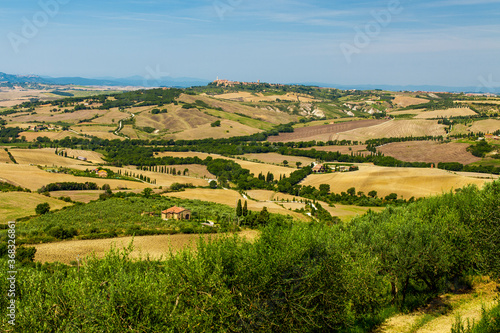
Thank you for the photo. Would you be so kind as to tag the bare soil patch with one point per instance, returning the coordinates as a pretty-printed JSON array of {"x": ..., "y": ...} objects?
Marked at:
[
  {"x": 429, "y": 152},
  {"x": 324, "y": 132}
]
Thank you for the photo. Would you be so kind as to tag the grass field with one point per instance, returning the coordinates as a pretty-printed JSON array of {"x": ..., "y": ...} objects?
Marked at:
[
  {"x": 454, "y": 112},
  {"x": 154, "y": 246},
  {"x": 406, "y": 182},
  {"x": 14, "y": 205},
  {"x": 429, "y": 151},
  {"x": 394, "y": 128}
]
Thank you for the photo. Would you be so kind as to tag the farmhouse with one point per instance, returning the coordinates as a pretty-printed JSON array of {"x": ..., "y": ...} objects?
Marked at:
[
  {"x": 176, "y": 213},
  {"x": 81, "y": 158},
  {"x": 318, "y": 168},
  {"x": 102, "y": 173}
]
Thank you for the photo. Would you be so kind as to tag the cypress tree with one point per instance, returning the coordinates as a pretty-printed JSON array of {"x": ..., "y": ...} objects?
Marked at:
[{"x": 239, "y": 209}]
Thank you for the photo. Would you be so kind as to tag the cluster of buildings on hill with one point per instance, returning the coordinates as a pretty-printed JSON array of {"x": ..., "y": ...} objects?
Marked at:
[{"x": 228, "y": 83}]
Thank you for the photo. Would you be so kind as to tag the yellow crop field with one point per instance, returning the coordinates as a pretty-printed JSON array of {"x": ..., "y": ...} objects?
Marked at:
[
  {"x": 14, "y": 205},
  {"x": 404, "y": 101},
  {"x": 113, "y": 116},
  {"x": 44, "y": 156},
  {"x": 91, "y": 156},
  {"x": 394, "y": 128},
  {"x": 53, "y": 135},
  {"x": 103, "y": 132},
  {"x": 154, "y": 246},
  {"x": 453, "y": 112},
  {"x": 4, "y": 157},
  {"x": 406, "y": 182},
  {"x": 33, "y": 178},
  {"x": 163, "y": 179},
  {"x": 485, "y": 126}
]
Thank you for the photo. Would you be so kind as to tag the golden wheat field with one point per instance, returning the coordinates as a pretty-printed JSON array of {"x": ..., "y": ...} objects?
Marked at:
[
  {"x": 163, "y": 179},
  {"x": 33, "y": 178},
  {"x": 394, "y": 128},
  {"x": 103, "y": 132},
  {"x": 154, "y": 246},
  {"x": 453, "y": 112},
  {"x": 91, "y": 156},
  {"x": 259, "y": 97},
  {"x": 14, "y": 205},
  {"x": 485, "y": 126},
  {"x": 406, "y": 182},
  {"x": 45, "y": 156},
  {"x": 404, "y": 101},
  {"x": 53, "y": 135}
]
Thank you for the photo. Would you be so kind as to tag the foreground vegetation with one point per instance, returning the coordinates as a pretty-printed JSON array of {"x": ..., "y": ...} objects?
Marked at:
[{"x": 294, "y": 278}]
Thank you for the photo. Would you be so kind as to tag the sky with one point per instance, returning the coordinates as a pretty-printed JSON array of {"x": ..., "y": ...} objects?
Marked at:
[{"x": 398, "y": 42}]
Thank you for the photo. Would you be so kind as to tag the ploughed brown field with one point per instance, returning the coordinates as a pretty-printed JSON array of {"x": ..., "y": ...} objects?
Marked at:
[
  {"x": 323, "y": 132},
  {"x": 429, "y": 152}
]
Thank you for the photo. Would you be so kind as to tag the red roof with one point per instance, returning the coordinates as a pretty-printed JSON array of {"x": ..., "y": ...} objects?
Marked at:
[{"x": 174, "y": 210}]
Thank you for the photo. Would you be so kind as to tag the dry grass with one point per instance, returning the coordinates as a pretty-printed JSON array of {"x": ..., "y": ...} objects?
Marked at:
[
  {"x": 454, "y": 112},
  {"x": 91, "y": 156},
  {"x": 227, "y": 129},
  {"x": 103, "y": 132},
  {"x": 112, "y": 114},
  {"x": 404, "y": 101},
  {"x": 154, "y": 246},
  {"x": 468, "y": 305},
  {"x": 43, "y": 115},
  {"x": 45, "y": 156},
  {"x": 406, "y": 182},
  {"x": 274, "y": 158},
  {"x": 485, "y": 126},
  {"x": 14, "y": 205},
  {"x": 4, "y": 157},
  {"x": 429, "y": 151},
  {"x": 394, "y": 128},
  {"x": 163, "y": 179}
]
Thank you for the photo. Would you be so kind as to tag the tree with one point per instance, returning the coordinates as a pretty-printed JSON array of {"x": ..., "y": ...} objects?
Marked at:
[
  {"x": 147, "y": 192},
  {"x": 245, "y": 209},
  {"x": 324, "y": 189},
  {"x": 285, "y": 162},
  {"x": 351, "y": 191},
  {"x": 239, "y": 209},
  {"x": 298, "y": 164},
  {"x": 213, "y": 184},
  {"x": 42, "y": 208},
  {"x": 392, "y": 196},
  {"x": 372, "y": 194},
  {"x": 263, "y": 217}
]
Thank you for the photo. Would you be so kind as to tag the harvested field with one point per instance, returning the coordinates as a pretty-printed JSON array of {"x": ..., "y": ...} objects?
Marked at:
[
  {"x": 154, "y": 246},
  {"x": 264, "y": 195},
  {"x": 404, "y": 101},
  {"x": 4, "y": 157},
  {"x": 75, "y": 117},
  {"x": 429, "y": 151},
  {"x": 254, "y": 167},
  {"x": 410, "y": 112},
  {"x": 274, "y": 158},
  {"x": 33, "y": 178},
  {"x": 91, "y": 156},
  {"x": 230, "y": 198},
  {"x": 112, "y": 114},
  {"x": 227, "y": 129},
  {"x": 485, "y": 126},
  {"x": 244, "y": 96},
  {"x": 103, "y": 132},
  {"x": 14, "y": 205},
  {"x": 163, "y": 179},
  {"x": 454, "y": 112},
  {"x": 342, "y": 149},
  {"x": 347, "y": 213},
  {"x": 493, "y": 101},
  {"x": 394, "y": 129},
  {"x": 406, "y": 182},
  {"x": 324, "y": 132},
  {"x": 53, "y": 135},
  {"x": 44, "y": 156}
]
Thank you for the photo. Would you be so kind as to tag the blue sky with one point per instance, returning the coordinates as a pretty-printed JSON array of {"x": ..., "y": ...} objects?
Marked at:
[{"x": 443, "y": 42}]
